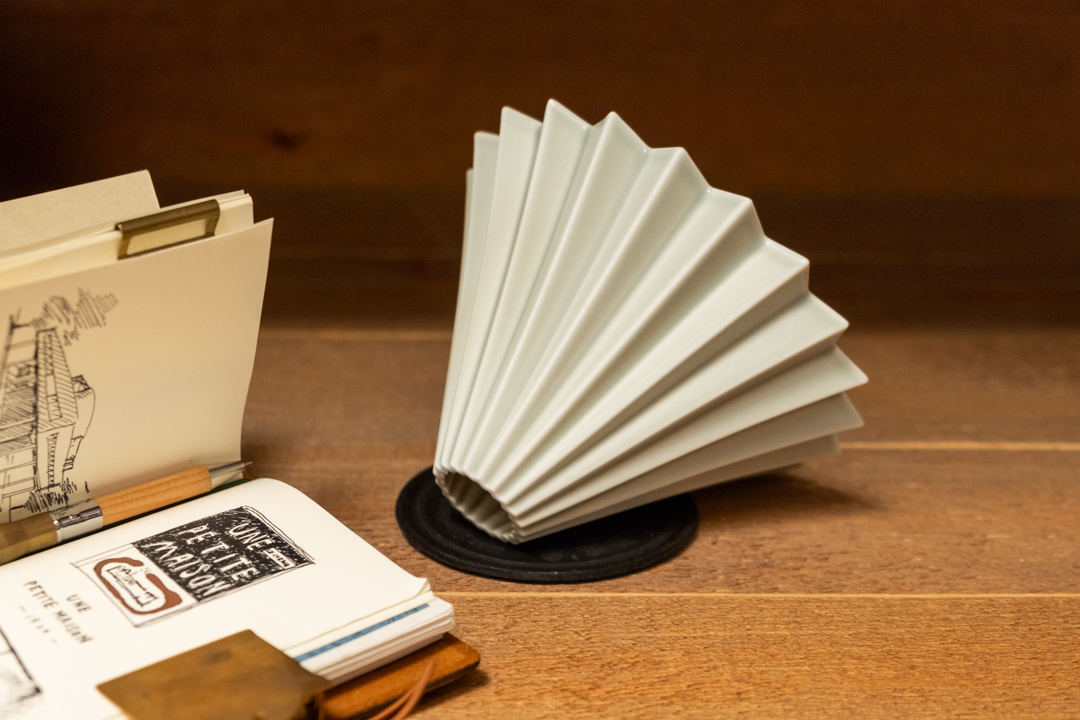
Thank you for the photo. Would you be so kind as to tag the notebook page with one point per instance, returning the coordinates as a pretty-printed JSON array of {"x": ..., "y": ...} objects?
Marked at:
[
  {"x": 257, "y": 556},
  {"x": 96, "y": 246},
  {"x": 32, "y": 219},
  {"x": 124, "y": 373}
]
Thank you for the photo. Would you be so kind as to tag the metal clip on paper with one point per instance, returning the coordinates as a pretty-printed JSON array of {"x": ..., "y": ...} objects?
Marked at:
[
  {"x": 168, "y": 228},
  {"x": 238, "y": 677}
]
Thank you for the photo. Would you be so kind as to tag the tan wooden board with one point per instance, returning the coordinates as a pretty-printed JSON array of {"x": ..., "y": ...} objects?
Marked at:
[
  {"x": 349, "y": 419},
  {"x": 766, "y": 656},
  {"x": 865, "y": 522},
  {"x": 957, "y": 383},
  {"x": 363, "y": 385},
  {"x": 930, "y": 570}
]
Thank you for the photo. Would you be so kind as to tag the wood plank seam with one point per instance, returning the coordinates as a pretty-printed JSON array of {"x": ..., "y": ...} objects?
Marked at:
[
  {"x": 792, "y": 596},
  {"x": 961, "y": 445},
  {"x": 355, "y": 334}
]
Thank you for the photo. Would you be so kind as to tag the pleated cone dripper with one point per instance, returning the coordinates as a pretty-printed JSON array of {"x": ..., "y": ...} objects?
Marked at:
[{"x": 624, "y": 333}]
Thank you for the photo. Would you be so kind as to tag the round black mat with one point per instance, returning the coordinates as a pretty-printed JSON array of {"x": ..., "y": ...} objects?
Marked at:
[{"x": 616, "y": 545}]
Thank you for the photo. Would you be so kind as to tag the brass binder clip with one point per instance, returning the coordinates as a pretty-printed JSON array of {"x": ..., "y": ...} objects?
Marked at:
[
  {"x": 240, "y": 677},
  {"x": 170, "y": 227}
]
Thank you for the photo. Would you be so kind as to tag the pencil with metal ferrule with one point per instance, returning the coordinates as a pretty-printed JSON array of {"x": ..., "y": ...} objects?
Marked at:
[{"x": 47, "y": 529}]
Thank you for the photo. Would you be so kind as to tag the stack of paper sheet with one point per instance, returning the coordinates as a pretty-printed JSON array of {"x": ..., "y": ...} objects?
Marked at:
[{"x": 258, "y": 556}]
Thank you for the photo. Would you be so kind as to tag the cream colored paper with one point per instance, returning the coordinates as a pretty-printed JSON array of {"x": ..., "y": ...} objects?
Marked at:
[
  {"x": 115, "y": 372},
  {"x": 29, "y": 220},
  {"x": 277, "y": 564}
]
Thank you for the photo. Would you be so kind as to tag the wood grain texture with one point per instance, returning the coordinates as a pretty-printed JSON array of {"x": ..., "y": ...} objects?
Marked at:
[
  {"x": 359, "y": 258},
  {"x": 362, "y": 417},
  {"x": 1009, "y": 445},
  {"x": 124, "y": 504},
  {"x": 339, "y": 292},
  {"x": 370, "y": 693},
  {"x": 1013, "y": 383},
  {"x": 714, "y": 656},
  {"x": 859, "y": 523},
  {"x": 960, "y": 97},
  {"x": 923, "y": 156},
  {"x": 889, "y": 581},
  {"x": 1018, "y": 383}
]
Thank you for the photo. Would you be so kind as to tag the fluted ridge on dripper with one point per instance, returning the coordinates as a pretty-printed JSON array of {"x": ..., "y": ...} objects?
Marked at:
[{"x": 624, "y": 332}]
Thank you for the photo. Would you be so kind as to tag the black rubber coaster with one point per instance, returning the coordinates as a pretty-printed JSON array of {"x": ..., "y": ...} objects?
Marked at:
[{"x": 616, "y": 545}]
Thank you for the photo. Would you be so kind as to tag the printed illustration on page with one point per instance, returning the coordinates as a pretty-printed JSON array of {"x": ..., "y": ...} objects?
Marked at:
[
  {"x": 45, "y": 406},
  {"x": 180, "y": 568}
]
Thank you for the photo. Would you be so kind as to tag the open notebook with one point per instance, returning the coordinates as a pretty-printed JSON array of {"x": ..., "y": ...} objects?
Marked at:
[
  {"x": 116, "y": 369},
  {"x": 258, "y": 556},
  {"x": 127, "y": 340}
]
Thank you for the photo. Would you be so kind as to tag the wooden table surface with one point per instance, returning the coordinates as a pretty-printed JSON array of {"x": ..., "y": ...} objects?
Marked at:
[{"x": 930, "y": 570}]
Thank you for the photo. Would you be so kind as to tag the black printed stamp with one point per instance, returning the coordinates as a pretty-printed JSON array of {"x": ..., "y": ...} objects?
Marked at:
[{"x": 193, "y": 563}]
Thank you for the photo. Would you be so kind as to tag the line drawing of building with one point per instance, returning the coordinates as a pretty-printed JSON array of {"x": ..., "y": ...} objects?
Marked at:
[
  {"x": 44, "y": 415},
  {"x": 18, "y": 691}
]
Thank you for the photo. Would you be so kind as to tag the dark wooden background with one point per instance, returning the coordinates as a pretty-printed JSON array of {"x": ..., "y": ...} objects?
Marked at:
[{"x": 923, "y": 155}]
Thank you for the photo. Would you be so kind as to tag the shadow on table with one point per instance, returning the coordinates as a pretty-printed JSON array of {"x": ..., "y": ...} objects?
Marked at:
[
  {"x": 773, "y": 496},
  {"x": 475, "y": 678}
]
